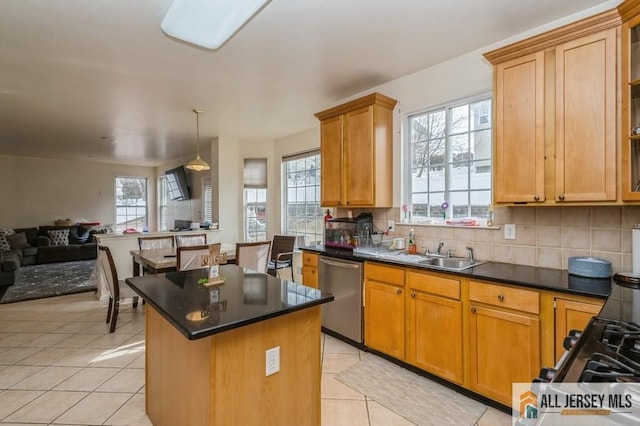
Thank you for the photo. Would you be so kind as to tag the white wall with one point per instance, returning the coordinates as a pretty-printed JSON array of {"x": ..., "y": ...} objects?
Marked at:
[
  {"x": 38, "y": 191},
  {"x": 229, "y": 173}
]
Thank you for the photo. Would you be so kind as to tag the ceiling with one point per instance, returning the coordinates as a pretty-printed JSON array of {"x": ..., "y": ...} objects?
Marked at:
[{"x": 99, "y": 79}]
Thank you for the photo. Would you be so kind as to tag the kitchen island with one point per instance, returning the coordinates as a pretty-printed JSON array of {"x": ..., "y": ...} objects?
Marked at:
[{"x": 206, "y": 349}]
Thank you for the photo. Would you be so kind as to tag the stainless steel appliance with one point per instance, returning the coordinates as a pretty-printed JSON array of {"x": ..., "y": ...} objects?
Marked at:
[
  {"x": 606, "y": 352},
  {"x": 343, "y": 279}
]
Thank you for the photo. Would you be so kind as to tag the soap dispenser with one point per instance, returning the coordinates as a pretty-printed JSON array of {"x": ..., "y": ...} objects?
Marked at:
[{"x": 412, "y": 242}]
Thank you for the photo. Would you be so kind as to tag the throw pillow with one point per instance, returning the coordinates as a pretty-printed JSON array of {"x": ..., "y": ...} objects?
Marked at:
[
  {"x": 18, "y": 241},
  {"x": 4, "y": 244},
  {"x": 59, "y": 237},
  {"x": 7, "y": 232}
]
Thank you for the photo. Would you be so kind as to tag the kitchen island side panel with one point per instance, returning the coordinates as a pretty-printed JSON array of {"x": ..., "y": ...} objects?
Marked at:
[{"x": 220, "y": 379}]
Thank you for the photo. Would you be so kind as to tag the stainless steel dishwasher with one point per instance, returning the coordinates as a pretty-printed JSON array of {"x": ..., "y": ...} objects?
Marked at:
[{"x": 343, "y": 279}]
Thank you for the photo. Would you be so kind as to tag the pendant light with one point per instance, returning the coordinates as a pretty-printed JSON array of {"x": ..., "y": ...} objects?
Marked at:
[{"x": 198, "y": 164}]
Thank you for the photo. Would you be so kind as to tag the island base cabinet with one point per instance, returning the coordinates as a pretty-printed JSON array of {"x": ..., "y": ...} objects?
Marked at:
[
  {"x": 493, "y": 363},
  {"x": 434, "y": 335},
  {"x": 220, "y": 379}
]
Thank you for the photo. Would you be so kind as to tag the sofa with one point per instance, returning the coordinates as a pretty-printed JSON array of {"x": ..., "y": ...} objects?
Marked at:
[{"x": 45, "y": 244}]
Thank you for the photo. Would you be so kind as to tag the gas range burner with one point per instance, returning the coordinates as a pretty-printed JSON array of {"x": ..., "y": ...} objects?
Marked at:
[
  {"x": 604, "y": 368},
  {"x": 615, "y": 332}
]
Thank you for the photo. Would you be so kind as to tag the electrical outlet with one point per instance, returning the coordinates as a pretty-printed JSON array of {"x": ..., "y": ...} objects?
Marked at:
[
  {"x": 273, "y": 360},
  {"x": 391, "y": 225},
  {"x": 510, "y": 232}
]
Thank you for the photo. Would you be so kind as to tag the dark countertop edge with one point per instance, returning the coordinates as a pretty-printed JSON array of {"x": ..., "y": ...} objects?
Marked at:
[
  {"x": 231, "y": 325},
  {"x": 468, "y": 273}
]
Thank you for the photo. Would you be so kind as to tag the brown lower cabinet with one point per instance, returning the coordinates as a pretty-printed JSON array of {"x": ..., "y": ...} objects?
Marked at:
[
  {"x": 310, "y": 269},
  {"x": 434, "y": 325},
  {"x": 481, "y": 335},
  {"x": 384, "y": 309},
  {"x": 572, "y": 314}
]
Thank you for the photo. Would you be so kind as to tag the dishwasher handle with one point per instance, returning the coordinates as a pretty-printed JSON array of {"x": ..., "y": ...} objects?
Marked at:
[{"x": 340, "y": 264}]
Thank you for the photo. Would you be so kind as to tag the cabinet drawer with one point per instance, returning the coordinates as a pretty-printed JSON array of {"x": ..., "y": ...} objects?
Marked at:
[
  {"x": 309, "y": 259},
  {"x": 433, "y": 284},
  {"x": 385, "y": 274},
  {"x": 507, "y": 297}
]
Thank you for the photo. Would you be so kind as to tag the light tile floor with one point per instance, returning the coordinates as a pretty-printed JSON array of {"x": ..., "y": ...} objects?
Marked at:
[{"x": 60, "y": 366}]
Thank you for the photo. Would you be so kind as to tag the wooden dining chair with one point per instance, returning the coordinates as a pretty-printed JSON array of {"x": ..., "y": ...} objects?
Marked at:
[
  {"x": 146, "y": 243},
  {"x": 281, "y": 252},
  {"x": 118, "y": 289},
  {"x": 191, "y": 240},
  {"x": 190, "y": 257},
  {"x": 253, "y": 255}
]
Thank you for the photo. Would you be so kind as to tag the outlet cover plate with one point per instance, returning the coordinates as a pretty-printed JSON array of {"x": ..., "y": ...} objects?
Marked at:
[
  {"x": 391, "y": 225},
  {"x": 273, "y": 360},
  {"x": 509, "y": 232}
]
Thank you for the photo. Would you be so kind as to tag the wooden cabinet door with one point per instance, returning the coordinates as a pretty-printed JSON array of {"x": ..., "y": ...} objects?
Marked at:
[
  {"x": 359, "y": 158},
  {"x": 434, "y": 335},
  {"x": 310, "y": 276},
  {"x": 331, "y": 146},
  {"x": 571, "y": 315},
  {"x": 384, "y": 320},
  {"x": 519, "y": 130},
  {"x": 504, "y": 348},
  {"x": 310, "y": 269},
  {"x": 586, "y": 118}
]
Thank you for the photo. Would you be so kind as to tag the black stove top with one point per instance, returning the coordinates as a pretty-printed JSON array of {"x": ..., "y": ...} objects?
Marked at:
[{"x": 607, "y": 351}]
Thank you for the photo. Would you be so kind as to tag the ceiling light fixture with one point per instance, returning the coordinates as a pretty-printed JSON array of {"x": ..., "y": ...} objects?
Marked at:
[
  {"x": 208, "y": 23},
  {"x": 198, "y": 164}
]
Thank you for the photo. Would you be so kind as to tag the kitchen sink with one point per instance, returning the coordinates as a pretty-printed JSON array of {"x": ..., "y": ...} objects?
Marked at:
[
  {"x": 427, "y": 260},
  {"x": 453, "y": 263}
]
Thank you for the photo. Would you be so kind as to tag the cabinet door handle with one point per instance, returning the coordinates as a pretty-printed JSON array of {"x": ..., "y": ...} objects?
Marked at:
[
  {"x": 501, "y": 297},
  {"x": 473, "y": 310},
  {"x": 399, "y": 291},
  {"x": 536, "y": 198},
  {"x": 561, "y": 197},
  {"x": 413, "y": 295}
]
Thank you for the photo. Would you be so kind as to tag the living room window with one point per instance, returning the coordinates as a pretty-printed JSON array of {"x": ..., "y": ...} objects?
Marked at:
[
  {"x": 207, "y": 200},
  {"x": 162, "y": 203},
  {"x": 450, "y": 162},
  {"x": 302, "y": 213},
  {"x": 131, "y": 203},
  {"x": 255, "y": 199}
]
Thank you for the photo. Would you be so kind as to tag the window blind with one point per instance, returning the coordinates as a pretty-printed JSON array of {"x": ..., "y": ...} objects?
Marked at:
[{"x": 255, "y": 172}]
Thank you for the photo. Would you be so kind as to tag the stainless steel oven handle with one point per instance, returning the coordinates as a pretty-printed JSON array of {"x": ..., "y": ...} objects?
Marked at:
[{"x": 340, "y": 264}]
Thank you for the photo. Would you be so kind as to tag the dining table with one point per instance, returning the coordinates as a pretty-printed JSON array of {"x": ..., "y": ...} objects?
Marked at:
[{"x": 161, "y": 260}]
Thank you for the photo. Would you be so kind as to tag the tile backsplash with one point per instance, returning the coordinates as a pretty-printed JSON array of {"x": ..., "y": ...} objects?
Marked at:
[{"x": 545, "y": 236}]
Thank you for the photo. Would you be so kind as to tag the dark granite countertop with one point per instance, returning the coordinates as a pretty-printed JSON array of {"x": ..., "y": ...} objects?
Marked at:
[
  {"x": 246, "y": 297},
  {"x": 526, "y": 276}
]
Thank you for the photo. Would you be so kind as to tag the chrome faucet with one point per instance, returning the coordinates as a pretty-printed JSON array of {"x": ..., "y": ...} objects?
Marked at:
[
  {"x": 440, "y": 245},
  {"x": 470, "y": 250}
]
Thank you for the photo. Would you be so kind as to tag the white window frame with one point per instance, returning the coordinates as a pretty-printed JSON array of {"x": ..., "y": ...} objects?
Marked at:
[
  {"x": 478, "y": 158},
  {"x": 207, "y": 199},
  {"x": 138, "y": 225},
  {"x": 306, "y": 191},
  {"x": 162, "y": 203},
  {"x": 255, "y": 199}
]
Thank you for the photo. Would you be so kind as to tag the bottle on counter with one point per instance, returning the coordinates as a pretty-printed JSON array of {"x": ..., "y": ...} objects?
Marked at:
[
  {"x": 328, "y": 216},
  {"x": 412, "y": 242}
]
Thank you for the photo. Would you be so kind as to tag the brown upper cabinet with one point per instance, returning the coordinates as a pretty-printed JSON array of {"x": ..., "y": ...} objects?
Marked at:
[
  {"x": 630, "y": 148},
  {"x": 555, "y": 127},
  {"x": 356, "y": 152}
]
